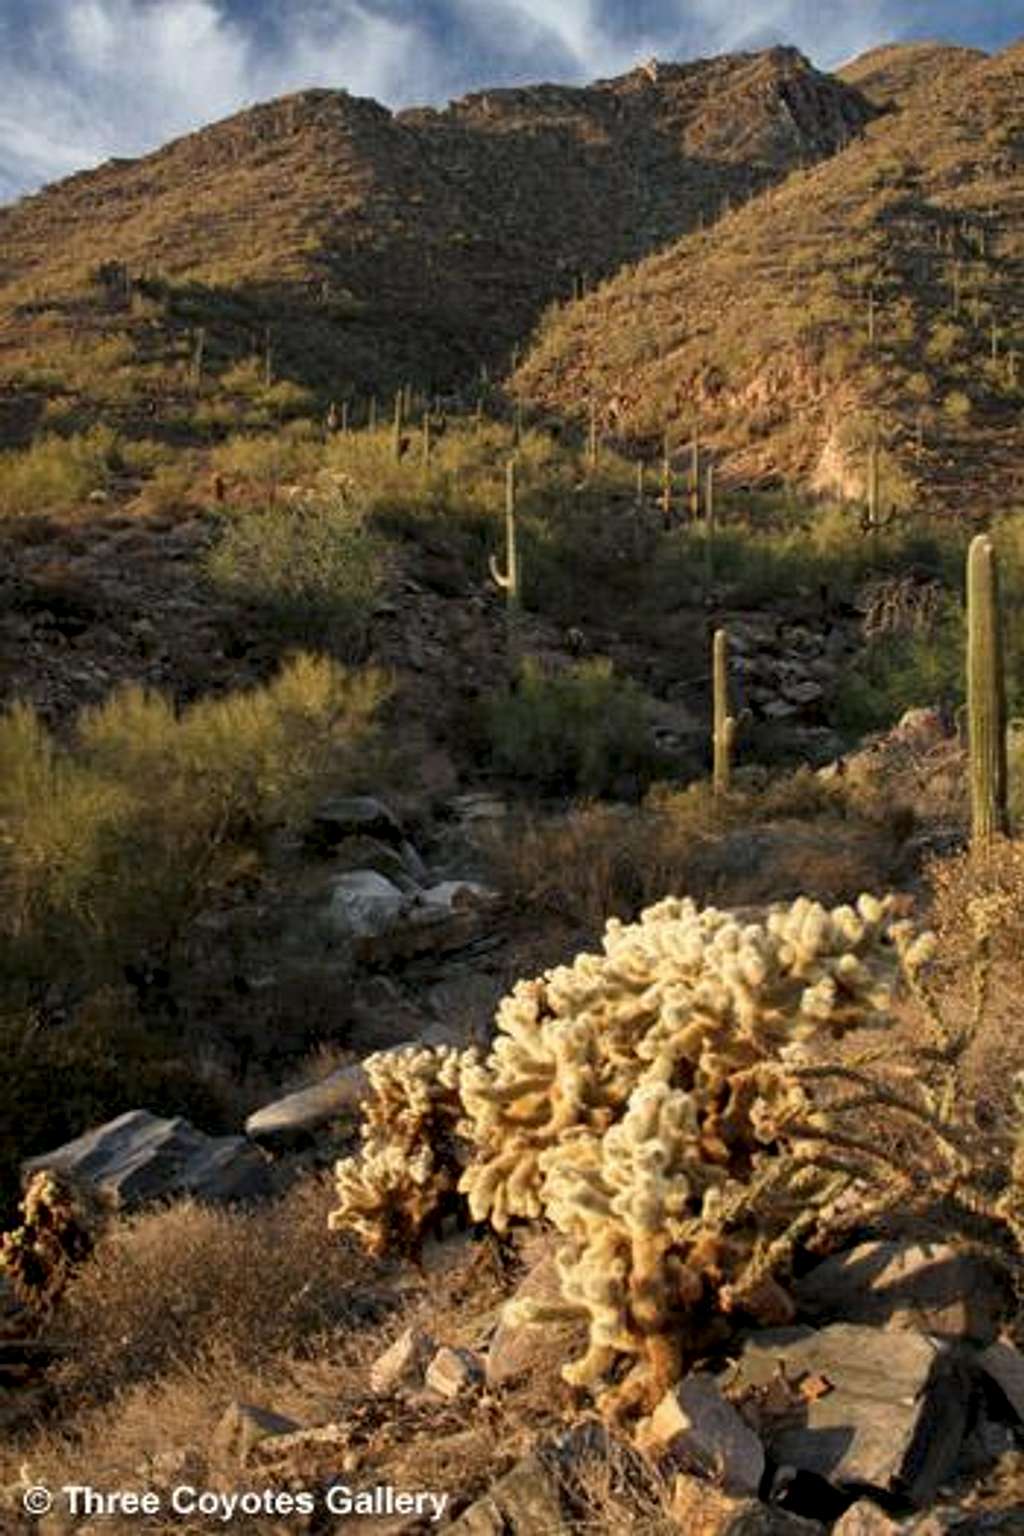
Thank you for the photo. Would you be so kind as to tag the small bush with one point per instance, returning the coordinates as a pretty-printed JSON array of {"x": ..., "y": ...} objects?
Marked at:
[
  {"x": 56, "y": 472},
  {"x": 583, "y": 731},
  {"x": 311, "y": 568},
  {"x": 109, "y": 846}
]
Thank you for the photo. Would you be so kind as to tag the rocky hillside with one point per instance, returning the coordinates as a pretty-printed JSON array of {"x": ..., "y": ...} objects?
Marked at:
[
  {"x": 882, "y": 291},
  {"x": 346, "y": 249},
  {"x": 889, "y": 75}
]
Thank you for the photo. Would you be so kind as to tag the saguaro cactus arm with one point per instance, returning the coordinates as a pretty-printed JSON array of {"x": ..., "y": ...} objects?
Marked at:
[{"x": 508, "y": 579}]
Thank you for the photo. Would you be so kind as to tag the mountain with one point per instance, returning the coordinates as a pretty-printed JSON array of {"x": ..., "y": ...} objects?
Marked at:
[
  {"x": 879, "y": 291},
  {"x": 360, "y": 248},
  {"x": 890, "y": 74}
]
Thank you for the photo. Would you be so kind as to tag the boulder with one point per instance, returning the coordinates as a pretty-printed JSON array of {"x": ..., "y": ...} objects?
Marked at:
[
  {"x": 139, "y": 1158},
  {"x": 1002, "y": 1363},
  {"x": 892, "y": 1283},
  {"x": 865, "y": 1408},
  {"x": 383, "y": 923},
  {"x": 296, "y": 1116},
  {"x": 696, "y": 1430},
  {"x": 339, "y": 1093},
  {"x": 700, "y": 1508},
  {"x": 525, "y": 1502},
  {"x": 353, "y": 816},
  {"x": 364, "y": 904}
]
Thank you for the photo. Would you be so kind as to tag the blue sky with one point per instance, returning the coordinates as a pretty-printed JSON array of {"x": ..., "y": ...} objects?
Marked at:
[{"x": 81, "y": 80}]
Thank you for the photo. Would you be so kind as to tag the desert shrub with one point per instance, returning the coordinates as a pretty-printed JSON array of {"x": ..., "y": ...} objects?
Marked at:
[
  {"x": 311, "y": 568},
  {"x": 168, "y": 1288},
  {"x": 903, "y": 670},
  {"x": 790, "y": 832},
  {"x": 109, "y": 845},
  {"x": 582, "y": 731},
  {"x": 957, "y": 406},
  {"x": 265, "y": 461},
  {"x": 56, "y": 472}
]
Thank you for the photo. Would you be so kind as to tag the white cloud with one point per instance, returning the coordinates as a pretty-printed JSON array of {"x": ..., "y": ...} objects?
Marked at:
[{"x": 84, "y": 79}]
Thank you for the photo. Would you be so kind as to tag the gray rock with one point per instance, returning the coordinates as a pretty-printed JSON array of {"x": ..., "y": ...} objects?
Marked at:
[
  {"x": 362, "y": 853},
  {"x": 454, "y": 1373},
  {"x": 695, "y": 1429},
  {"x": 382, "y": 922},
  {"x": 1004, "y": 1364},
  {"x": 339, "y": 1093},
  {"x": 365, "y": 904},
  {"x": 139, "y": 1158},
  {"x": 699, "y": 1508},
  {"x": 241, "y": 1427},
  {"x": 518, "y": 1349},
  {"x": 403, "y": 1364},
  {"x": 932, "y": 1287},
  {"x": 870, "y": 1408},
  {"x": 351, "y": 816},
  {"x": 525, "y": 1502}
]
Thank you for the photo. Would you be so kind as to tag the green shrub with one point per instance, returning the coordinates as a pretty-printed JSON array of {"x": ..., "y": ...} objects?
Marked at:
[
  {"x": 109, "y": 846},
  {"x": 312, "y": 569},
  {"x": 583, "y": 731},
  {"x": 56, "y": 472}
]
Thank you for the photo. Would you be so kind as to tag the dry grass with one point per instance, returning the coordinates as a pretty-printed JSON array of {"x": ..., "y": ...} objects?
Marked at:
[{"x": 792, "y": 836}]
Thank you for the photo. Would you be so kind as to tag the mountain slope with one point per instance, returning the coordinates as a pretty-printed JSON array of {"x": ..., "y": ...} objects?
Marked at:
[
  {"x": 377, "y": 247},
  {"x": 863, "y": 290},
  {"x": 889, "y": 75}
]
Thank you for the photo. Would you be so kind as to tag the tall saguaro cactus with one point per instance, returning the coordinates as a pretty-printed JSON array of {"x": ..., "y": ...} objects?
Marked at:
[
  {"x": 986, "y": 697},
  {"x": 509, "y": 578},
  {"x": 396, "y": 438},
  {"x": 723, "y": 733}
]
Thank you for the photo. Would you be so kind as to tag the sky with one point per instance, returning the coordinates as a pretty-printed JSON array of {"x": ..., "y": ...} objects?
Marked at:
[{"x": 81, "y": 80}]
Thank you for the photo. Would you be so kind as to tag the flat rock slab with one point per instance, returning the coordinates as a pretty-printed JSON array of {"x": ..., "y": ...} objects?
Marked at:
[
  {"x": 341, "y": 1092},
  {"x": 354, "y": 816},
  {"x": 868, "y": 1409},
  {"x": 933, "y": 1287},
  {"x": 139, "y": 1158}
]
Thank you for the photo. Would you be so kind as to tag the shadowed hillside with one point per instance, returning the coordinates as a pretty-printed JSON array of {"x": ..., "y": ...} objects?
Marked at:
[{"x": 340, "y": 248}]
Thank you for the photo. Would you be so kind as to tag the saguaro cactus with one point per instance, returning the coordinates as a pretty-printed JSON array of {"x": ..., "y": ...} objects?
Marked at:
[
  {"x": 874, "y": 509},
  {"x": 986, "y": 697},
  {"x": 709, "y": 528},
  {"x": 723, "y": 734},
  {"x": 509, "y": 578},
  {"x": 666, "y": 482},
  {"x": 397, "y": 435},
  {"x": 695, "y": 474}
]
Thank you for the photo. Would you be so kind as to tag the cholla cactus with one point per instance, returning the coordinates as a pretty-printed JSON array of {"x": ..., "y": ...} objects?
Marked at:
[
  {"x": 670, "y": 1107},
  {"x": 411, "y": 1158},
  {"x": 60, "y": 1223}
]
